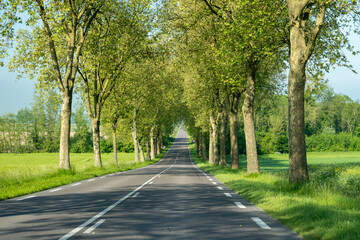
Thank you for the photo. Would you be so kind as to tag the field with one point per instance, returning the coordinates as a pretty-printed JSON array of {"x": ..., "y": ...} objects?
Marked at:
[
  {"x": 328, "y": 207},
  {"x": 27, "y": 173}
]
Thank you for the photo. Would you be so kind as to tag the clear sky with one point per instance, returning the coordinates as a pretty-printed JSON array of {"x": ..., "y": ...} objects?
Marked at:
[{"x": 17, "y": 94}]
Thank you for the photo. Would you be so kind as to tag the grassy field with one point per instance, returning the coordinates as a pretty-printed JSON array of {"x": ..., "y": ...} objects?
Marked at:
[
  {"x": 22, "y": 174},
  {"x": 328, "y": 207}
]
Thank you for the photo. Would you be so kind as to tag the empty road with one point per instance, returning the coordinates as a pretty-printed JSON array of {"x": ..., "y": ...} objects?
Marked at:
[{"x": 171, "y": 199}]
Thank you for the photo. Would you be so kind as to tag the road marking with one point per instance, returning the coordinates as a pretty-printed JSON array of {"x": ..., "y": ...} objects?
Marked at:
[
  {"x": 93, "y": 227},
  {"x": 207, "y": 176},
  {"x": 228, "y": 194},
  {"x": 75, "y": 184},
  {"x": 211, "y": 179},
  {"x": 55, "y": 190},
  {"x": 102, "y": 177},
  {"x": 136, "y": 194},
  {"x": 111, "y": 174},
  {"x": 90, "y": 180},
  {"x": 214, "y": 183},
  {"x": 31, "y": 196},
  {"x": 220, "y": 188},
  {"x": 151, "y": 182},
  {"x": 100, "y": 214},
  {"x": 239, "y": 204},
  {"x": 259, "y": 222}
]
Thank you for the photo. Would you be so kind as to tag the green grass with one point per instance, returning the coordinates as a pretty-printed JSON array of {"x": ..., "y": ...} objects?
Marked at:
[
  {"x": 22, "y": 174},
  {"x": 328, "y": 207}
]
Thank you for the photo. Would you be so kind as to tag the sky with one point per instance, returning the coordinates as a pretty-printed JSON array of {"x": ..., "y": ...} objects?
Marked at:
[{"x": 16, "y": 94}]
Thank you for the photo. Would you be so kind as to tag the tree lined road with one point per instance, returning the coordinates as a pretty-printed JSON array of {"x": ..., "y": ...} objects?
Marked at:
[{"x": 172, "y": 199}]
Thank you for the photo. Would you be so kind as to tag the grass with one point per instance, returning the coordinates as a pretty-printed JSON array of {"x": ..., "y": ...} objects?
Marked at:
[
  {"x": 22, "y": 174},
  {"x": 328, "y": 207}
]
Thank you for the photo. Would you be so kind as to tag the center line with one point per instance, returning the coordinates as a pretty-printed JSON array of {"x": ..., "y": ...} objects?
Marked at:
[
  {"x": 228, "y": 194},
  {"x": 239, "y": 204},
  {"x": 214, "y": 183},
  {"x": 220, "y": 188},
  {"x": 93, "y": 227}
]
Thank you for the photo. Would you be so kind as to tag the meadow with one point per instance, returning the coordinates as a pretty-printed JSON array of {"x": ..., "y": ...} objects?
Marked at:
[
  {"x": 327, "y": 207},
  {"x": 22, "y": 174}
]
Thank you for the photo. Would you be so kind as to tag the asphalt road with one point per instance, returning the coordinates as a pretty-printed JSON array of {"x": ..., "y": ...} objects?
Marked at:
[{"x": 171, "y": 199}]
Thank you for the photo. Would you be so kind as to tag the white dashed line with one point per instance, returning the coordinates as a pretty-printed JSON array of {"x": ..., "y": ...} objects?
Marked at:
[
  {"x": 259, "y": 222},
  {"x": 239, "y": 204},
  {"x": 228, "y": 194},
  {"x": 55, "y": 190},
  {"x": 207, "y": 176},
  {"x": 31, "y": 196},
  {"x": 211, "y": 179},
  {"x": 214, "y": 183},
  {"x": 220, "y": 188},
  {"x": 93, "y": 227},
  {"x": 136, "y": 194},
  {"x": 75, "y": 184}
]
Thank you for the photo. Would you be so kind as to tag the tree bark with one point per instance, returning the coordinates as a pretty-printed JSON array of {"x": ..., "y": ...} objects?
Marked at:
[
  {"x": 152, "y": 144},
  {"x": 148, "y": 156},
  {"x": 203, "y": 147},
  {"x": 114, "y": 144},
  {"x": 233, "y": 113},
  {"x": 211, "y": 146},
  {"x": 249, "y": 124},
  {"x": 302, "y": 46},
  {"x": 142, "y": 155},
  {"x": 223, "y": 138},
  {"x": 64, "y": 162},
  {"x": 134, "y": 135},
  {"x": 96, "y": 141},
  {"x": 158, "y": 143}
]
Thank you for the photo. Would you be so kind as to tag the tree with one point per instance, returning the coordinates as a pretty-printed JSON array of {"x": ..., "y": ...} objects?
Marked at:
[
  {"x": 52, "y": 52},
  {"x": 306, "y": 19}
]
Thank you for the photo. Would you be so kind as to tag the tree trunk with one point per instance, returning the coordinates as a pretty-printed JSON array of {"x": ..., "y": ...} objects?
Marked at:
[
  {"x": 211, "y": 147},
  {"x": 148, "y": 156},
  {"x": 152, "y": 144},
  {"x": 158, "y": 143},
  {"x": 233, "y": 112},
  {"x": 96, "y": 141},
  {"x": 223, "y": 138},
  {"x": 297, "y": 149},
  {"x": 249, "y": 125},
  {"x": 216, "y": 141},
  {"x": 134, "y": 135},
  {"x": 203, "y": 147},
  {"x": 114, "y": 144},
  {"x": 64, "y": 161},
  {"x": 142, "y": 155}
]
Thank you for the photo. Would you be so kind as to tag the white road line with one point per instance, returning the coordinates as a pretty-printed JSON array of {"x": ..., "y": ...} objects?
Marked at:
[
  {"x": 93, "y": 227},
  {"x": 31, "y": 196},
  {"x": 55, "y": 190},
  {"x": 136, "y": 194},
  {"x": 102, "y": 177},
  {"x": 90, "y": 180},
  {"x": 75, "y": 184},
  {"x": 207, "y": 176},
  {"x": 100, "y": 214},
  {"x": 211, "y": 179},
  {"x": 214, "y": 183},
  {"x": 239, "y": 204},
  {"x": 259, "y": 222},
  {"x": 228, "y": 194},
  {"x": 151, "y": 182},
  {"x": 220, "y": 188}
]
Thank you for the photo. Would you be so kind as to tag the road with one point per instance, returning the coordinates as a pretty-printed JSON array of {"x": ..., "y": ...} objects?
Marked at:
[{"x": 172, "y": 199}]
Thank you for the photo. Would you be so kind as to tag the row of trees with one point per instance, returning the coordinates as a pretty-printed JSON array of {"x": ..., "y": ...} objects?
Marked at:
[
  {"x": 235, "y": 52},
  {"x": 107, "y": 51}
]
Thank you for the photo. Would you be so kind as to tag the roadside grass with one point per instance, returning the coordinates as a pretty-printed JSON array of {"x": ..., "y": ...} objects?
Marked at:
[
  {"x": 328, "y": 207},
  {"x": 22, "y": 174}
]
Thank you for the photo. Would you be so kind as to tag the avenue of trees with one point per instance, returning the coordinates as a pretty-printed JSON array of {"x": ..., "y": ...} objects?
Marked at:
[{"x": 217, "y": 65}]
